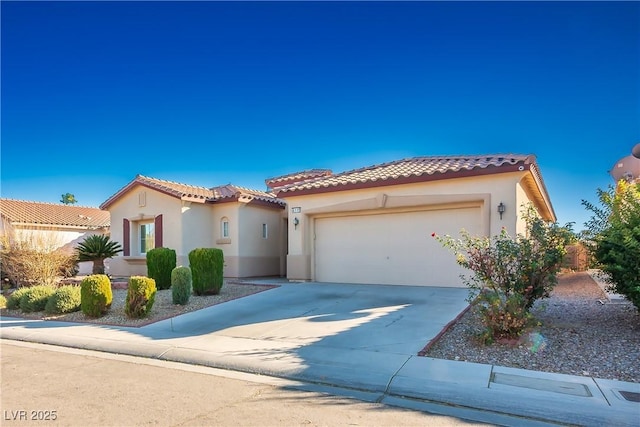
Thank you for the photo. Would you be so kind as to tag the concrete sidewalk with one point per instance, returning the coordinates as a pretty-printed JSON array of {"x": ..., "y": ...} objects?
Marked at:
[{"x": 362, "y": 339}]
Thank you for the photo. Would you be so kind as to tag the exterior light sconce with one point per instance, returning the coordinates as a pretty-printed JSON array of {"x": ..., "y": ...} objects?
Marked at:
[
  {"x": 501, "y": 209},
  {"x": 296, "y": 221}
]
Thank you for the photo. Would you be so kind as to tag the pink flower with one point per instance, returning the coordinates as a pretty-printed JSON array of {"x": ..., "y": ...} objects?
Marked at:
[{"x": 433, "y": 234}]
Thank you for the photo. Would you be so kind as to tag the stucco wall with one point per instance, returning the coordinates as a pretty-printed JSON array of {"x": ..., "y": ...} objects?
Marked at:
[
  {"x": 128, "y": 206},
  {"x": 259, "y": 256},
  {"x": 485, "y": 192}
]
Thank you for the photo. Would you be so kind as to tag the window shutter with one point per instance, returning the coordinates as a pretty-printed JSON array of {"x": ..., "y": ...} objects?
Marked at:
[
  {"x": 126, "y": 236},
  {"x": 158, "y": 231}
]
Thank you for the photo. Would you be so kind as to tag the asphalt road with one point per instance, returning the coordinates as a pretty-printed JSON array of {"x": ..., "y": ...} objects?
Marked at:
[{"x": 51, "y": 386}]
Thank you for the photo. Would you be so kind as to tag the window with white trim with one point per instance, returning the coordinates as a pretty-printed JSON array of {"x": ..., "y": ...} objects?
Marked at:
[
  {"x": 224, "y": 228},
  {"x": 147, "y": 234}
]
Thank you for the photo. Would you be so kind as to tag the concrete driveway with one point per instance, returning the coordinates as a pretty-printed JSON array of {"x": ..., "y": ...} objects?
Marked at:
[
  {"x": 356, "y": 336},
  {"x": 356, "y": 339}
]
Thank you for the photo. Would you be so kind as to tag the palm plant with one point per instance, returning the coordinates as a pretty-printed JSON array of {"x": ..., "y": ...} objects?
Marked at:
[{"x": 97, "y": 248}]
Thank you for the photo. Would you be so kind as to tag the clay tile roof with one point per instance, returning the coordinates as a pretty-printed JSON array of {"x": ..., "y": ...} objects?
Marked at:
[
  {"x": 233, "y": 191},
  {"x": 176, "y": 189},
  {"x": 296, "y": 177},
  {"x": 21, "y": 212},
  {"x": 411, "y": 168},
  {"x": 194, "y": 193}
]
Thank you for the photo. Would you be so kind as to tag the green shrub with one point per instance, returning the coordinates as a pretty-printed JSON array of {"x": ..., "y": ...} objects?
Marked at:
[
  {"x": 35, "y": 298},
  {"x": 181, "y": 285},
  {"x": 3, "y": 301},
  {"x": 95, "y": 295},
  {"x": 13, "y": 302},
  {"x": 160, "y": 263},
  {"x": 66, "y": 299},
  {"x": 613, "y": 237},
  {"x": 510, "y": 273},
  {"x": 140, "y": 296},
  {"x": 206, "y": 270}
]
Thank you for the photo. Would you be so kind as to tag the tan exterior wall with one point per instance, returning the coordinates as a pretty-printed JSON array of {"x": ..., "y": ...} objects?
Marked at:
[
  {"x": 229, "y": 245},
  {"x": 260, "y": 256},
  {"x": 484, "y": 192},
  {"x": 130, "y": 207},
  {"x": 190, "y": 225}
]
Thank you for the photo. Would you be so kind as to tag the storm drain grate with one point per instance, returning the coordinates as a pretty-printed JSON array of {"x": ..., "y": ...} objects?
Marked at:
[
  {"x": 630, "y": 396},
  {"x": 574, "y": 389}
]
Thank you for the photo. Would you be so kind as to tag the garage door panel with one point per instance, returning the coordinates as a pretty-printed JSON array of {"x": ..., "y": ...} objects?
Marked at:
[{"x": 393, "y": 248}]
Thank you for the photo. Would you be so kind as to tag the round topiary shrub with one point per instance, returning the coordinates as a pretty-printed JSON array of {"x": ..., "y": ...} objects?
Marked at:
[
  {"x": 35, "y": 298},
  {"x": 95, "y": 295},
  {"x": 181, "y": 285},
  {"x": 66, "y": 299},
  {"x": 13, "y": 302},
  {"x": 140, "y": 296},
  {"x": 160, "y": 263}
]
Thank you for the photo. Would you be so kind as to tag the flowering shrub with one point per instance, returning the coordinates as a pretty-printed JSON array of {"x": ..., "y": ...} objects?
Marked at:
[{"x": 510, "y": 273}]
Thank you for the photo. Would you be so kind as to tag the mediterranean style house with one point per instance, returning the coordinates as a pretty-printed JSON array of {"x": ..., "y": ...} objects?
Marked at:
[
  {"x": 51, "y": 225},
  {"x": 368, "y": 225},
  {"x": 246, "y": 224}
]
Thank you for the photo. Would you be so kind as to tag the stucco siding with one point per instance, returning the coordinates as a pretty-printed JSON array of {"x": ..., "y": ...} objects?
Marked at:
[
  {"x": 260, "y": 241},
  {"x": 139, "y": 205},
  {"x": 482, "y": 193}
]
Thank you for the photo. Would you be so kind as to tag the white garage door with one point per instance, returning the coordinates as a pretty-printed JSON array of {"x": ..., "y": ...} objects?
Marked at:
[{"x": 391, "y": 248}]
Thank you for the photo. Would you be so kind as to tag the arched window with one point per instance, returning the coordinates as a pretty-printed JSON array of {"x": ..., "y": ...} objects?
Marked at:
[{"x": 224, "y": 227}]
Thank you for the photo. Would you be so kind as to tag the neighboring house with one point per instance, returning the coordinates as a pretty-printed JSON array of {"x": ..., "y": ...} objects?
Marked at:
[
  {"x": 52, "y": 226},
  {"x": 375, "y": 224},
  {"x": 248, "y": 226}
]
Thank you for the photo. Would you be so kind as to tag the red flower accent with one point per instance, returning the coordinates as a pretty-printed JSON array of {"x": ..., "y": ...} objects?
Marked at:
[{"x": 433, "y": 234}]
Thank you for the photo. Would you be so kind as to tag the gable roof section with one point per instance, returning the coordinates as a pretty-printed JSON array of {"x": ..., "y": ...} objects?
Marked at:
[
  {"x": 22, "y": 212},
  {"x": 193, "y": 193},
  {"x": 422, "y": 169}
]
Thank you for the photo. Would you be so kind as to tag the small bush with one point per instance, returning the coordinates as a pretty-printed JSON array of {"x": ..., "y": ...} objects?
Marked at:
[
  {"x": 66, "y": 299},
  {"x": 95, "y": 295},
  {"x": 3, "y": 301},
  {"x": 206, "y": 270},
  {"x": 140, "y": 296},
  {"x": 13, "y": 302},
  {"x": 35, "y": 298},
  {"x": 160, "y": 263},
  {"x": 181, "y": 285}
]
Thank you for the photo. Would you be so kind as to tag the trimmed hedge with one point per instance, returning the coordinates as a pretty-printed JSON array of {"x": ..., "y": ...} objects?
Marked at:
[
  {"x": 206, "y": 270},
  {"x": 95, "y": 295},
  {"x": 3, "y": 301},
  {"x": 140, "y": 296},
  {"x": 66, "y": 299},
  {"x": 181, "y": 281},
  {"x": 160, "y": 264},
  {"x": 13, "y": 302},
  {"x": 35, "y": 298}
]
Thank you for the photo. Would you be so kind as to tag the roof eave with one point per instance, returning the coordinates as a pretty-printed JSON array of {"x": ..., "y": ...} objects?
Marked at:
[{"x": 438, "y": 176}]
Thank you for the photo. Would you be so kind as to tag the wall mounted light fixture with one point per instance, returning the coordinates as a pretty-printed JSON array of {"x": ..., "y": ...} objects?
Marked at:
[
  {"x": 296, "y": 221},
  {"x": 501, "y": 209}
]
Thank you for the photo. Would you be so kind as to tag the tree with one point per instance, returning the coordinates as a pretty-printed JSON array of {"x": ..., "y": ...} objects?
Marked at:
[
  {"x": 68, "y": 199},
  {"x": 613, "y": 237},
  {"x": 97, "y": 248}
]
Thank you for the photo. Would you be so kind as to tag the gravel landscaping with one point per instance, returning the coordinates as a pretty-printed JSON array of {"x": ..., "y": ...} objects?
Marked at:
[
  {"x": 163, "y": 307},
  {"x": 578, "y": 335}
]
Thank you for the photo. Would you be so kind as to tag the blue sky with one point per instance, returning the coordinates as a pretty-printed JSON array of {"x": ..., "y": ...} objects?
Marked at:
[{"x": 208, "y": 93}]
